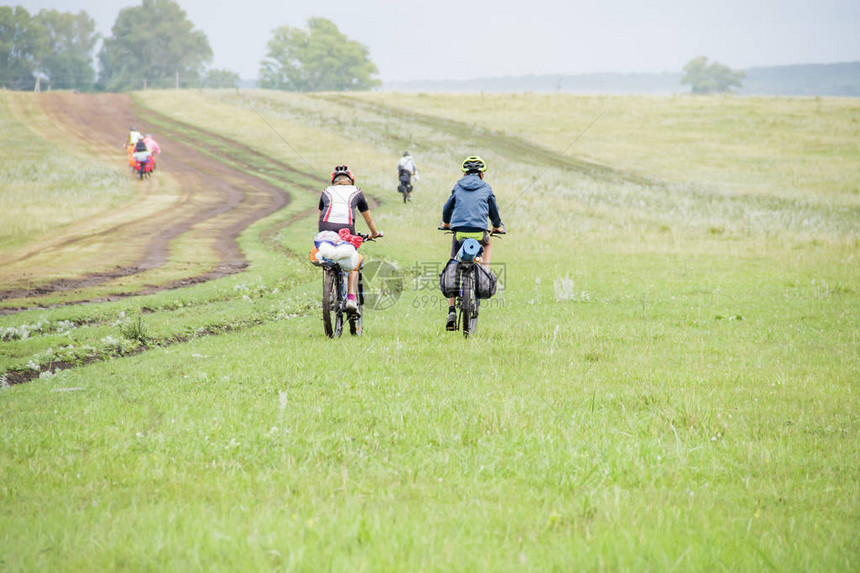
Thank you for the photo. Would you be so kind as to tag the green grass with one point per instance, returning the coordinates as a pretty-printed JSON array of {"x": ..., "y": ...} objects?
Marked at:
[
  {"x": 784, "y": 146},
  {"x": 660, "y": 386}
]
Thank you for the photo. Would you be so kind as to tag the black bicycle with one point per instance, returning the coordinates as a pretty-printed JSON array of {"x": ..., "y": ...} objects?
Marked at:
[
  {"x": 334, "y": 297},
  {"x": 465, "y": 279},
  {"x": 405, "y": 185}
]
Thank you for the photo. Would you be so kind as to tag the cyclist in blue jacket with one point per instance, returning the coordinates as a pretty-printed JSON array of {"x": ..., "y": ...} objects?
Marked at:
[{"x": 466, "y": 212}]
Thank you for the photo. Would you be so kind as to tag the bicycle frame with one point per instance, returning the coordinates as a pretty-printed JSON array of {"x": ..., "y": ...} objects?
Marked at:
[
  {"x": 335, "y": 289},
  {"x": 466, "y": 302},
  {"x": 341, "y": 281}
]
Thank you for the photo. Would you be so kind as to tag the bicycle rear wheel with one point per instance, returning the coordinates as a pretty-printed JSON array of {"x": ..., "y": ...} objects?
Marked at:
[
  {"x": 332, "y": 316},
  {"x": 468, "y": 304}
]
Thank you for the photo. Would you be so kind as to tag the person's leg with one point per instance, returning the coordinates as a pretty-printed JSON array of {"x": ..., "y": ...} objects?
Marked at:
[
  {"x": 451, "y": 320},
  {"x": 352, "y": 287},
  {"x": 485, "y": 256}
]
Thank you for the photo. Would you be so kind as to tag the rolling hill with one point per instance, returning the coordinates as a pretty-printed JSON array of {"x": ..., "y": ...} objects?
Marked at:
[{"x": 841, "y": 79}]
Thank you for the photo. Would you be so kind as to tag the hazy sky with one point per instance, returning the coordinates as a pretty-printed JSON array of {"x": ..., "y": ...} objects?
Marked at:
[{"x": 459, "y": 39}]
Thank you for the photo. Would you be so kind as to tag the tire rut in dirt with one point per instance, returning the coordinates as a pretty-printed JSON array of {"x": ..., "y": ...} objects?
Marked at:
[{"x": 218, "y": 197}]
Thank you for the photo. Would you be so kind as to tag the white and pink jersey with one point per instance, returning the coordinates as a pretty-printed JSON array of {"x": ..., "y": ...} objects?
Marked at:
[
  {"x": 152, "y": 145},
  {"x": 337, "y": 207}
]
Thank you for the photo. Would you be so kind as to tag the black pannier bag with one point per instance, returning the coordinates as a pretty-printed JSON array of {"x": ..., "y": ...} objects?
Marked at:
[
  {"x": 449, "y": 280},
  {"x": 486, "y": 286}
]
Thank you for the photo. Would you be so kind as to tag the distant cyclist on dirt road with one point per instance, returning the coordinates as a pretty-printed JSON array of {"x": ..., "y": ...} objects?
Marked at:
[
  {"x": 337, "y": 211},
  {"x": 466, "y": 212},
  {"x": 151, "y": 144},
  {"x": 133, "y": 137}
]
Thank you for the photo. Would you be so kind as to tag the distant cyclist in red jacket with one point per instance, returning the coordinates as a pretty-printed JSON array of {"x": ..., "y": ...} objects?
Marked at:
[{"x": 338, "y": 203}]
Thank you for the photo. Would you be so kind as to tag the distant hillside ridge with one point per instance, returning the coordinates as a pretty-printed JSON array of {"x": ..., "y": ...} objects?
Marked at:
[
  {"x": 804, "y": 80},
  {"x": 667, "y": 82},
  {"x": 840, "y": 79}
]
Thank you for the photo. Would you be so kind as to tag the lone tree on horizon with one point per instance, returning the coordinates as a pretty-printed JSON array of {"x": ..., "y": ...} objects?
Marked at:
[
  {"x": 153, "y": 45},
  {"x": 710, "y": 78},
  {"x": 319, "y": 58}
]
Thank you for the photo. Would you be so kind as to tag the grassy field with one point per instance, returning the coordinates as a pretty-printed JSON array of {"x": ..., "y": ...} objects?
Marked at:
[{"x": 667, "y": 382}]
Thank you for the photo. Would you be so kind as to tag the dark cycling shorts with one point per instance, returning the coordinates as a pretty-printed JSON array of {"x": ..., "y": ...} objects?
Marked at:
[
  {"x": 326, "y": 226},
  {"x": 455, "y": 244}
]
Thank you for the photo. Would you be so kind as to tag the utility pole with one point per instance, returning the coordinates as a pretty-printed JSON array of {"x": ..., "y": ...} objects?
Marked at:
[{"x": 177, "y": 80}]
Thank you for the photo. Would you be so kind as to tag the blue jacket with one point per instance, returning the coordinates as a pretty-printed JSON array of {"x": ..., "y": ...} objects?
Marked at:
[{"x": 469, "y": 205}]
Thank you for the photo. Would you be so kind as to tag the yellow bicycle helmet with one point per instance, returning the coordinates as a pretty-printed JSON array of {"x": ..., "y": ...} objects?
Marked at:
[{"x": 473, "y": 164}]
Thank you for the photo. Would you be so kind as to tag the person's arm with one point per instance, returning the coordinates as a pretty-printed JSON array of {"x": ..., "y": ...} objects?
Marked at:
[
  {"x": 370, "y": 224},
  {"x": 448, "y": 210},
  {"x": 495, "y": 217}
]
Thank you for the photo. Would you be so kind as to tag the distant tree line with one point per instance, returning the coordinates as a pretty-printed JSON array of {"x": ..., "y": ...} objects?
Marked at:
[
  {"x": 50, "y": 48},
  {"x": 154, "y": 45}
]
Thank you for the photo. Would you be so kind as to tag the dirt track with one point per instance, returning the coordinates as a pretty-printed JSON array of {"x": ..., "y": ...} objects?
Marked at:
[{"x": 216, "y": 204}]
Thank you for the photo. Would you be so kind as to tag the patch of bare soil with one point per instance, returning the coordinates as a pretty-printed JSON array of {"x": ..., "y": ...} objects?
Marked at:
[{"x": 217, "y": 203}]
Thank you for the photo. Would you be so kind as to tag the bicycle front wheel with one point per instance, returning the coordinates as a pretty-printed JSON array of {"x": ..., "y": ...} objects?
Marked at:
[{"x": 332, "y": 317}]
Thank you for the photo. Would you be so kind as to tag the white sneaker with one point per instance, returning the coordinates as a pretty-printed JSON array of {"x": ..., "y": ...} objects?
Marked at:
[{"x": 351, "y": 306}]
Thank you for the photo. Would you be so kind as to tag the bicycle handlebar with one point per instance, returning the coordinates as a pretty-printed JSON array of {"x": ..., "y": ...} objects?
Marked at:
[
  {"x": 366, "y": 237},
  {"x": 490, "y": 231}
]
